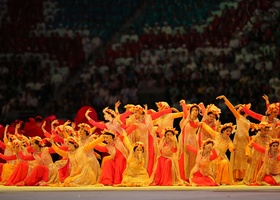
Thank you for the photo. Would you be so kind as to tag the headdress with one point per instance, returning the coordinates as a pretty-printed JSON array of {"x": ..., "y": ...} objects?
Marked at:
[
  {"x": 162, "y": 105},
  {"x": 211, "y": 108},
  {"x": 85, "y": 126},
  {"x": 72, "y": 140},
  {"x": 37, "y": 138},
  {"x": 271, "y": 108},
  {"x": 16, "y": 142},
  {"x": 228, "y": 125},
  {"x": 69, "y": 130},
  {"x": 137, "y": 108},
  {"x": 108, "y": 132},
  {"x": 264, "y": 125},
  {"x": 272, "y": 141},
  {"x": 139, "y": 144},
  {"x": 170, "y": 129},
  {"x": 207, "y": 141},
  {"x": 110, "y": 111}
]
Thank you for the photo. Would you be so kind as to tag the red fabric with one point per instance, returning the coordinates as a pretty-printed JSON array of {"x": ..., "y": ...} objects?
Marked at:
[
  {"x": 269, "y": 179},
  {"x": 13, "y": 157},
  {"x": 112, "y": 170},
  {"x": 163, "y": 175},
  {"x": 80, "y": 116},
  {"x": 201, "y": 180},
  {"x": 18, "y": 175},
  {"x": 258, "y": 147},
  {"x": 64, "y": 172},
  {"x": 192, "y": 149},
  {"x": 151, "y": 154},
  {"x": 39, "y": 173}
]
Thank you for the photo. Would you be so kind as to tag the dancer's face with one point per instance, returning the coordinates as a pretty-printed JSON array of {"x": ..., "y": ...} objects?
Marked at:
[
  {"x": 274, "y": 146},
  {"x": 211, "y": 117},
  {"x": 227, "y": 132}
]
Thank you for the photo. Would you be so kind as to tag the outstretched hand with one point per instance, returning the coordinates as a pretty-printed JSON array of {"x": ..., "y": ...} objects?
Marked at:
[
  {"x": 221, "y": 97},
  {"x": 87, "y": 114}
]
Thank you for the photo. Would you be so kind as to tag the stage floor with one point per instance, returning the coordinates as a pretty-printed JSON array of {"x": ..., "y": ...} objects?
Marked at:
[{"x": 144, "y": 193}]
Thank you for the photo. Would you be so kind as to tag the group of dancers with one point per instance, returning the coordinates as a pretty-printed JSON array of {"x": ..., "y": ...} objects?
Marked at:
[{"x": 141, "y": 147}]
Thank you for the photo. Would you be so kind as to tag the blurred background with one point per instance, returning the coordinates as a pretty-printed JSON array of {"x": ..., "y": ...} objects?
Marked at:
[{"x": 57, "y": 56}]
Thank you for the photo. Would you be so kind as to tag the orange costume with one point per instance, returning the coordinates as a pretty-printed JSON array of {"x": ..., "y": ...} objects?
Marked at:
[
  {"x": 202, "y": 173},
  {"x": 189, "y": 126},
  {"x": 223, "y": 168}
]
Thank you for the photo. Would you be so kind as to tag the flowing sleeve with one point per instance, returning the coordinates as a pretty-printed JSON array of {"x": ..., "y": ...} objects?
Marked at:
[
  {"x": 130, "y": 129},
  {"x": 209, "y": 130},
  {"x": 192, "y": 149},
  {"x": 214, "y": 155},
  {"x": 124, "y": 116},
  {"x": 92, "y": 144},
  {"x": 12, "y": 157},
  {"x": 232, "y": 109},
  {"x": 258, "y": 147},
  {"x": 96, "y": 124},
  {"x": 253, "y": 114},
  {"x": 160, "y": 113},
  {"x": 25, "y": 157},
  {"x": 59, "y": 151}
]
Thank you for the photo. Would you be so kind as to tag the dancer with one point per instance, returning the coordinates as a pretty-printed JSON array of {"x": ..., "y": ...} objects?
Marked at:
[
  {"x": 255, "y": 158},
  {"x": 202, "y": 173},
  {"x": 189, "y": 126},
  {"x": 241, "y": 139},
  {"x": 269, "y": 173},
  {"x": 166, "y": 168},
  {"x": 135, "y": 174},
  {"x": 223, "y": 171}
]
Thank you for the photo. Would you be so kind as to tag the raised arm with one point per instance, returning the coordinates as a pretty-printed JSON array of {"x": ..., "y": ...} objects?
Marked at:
[
  {"x": 94, "y": 123},
  {"x": 209, "y": 130},
  {"x": 230, "y": 106},
  {"x": 92, "y": 144},
  {"x": 253, "y": 114}
]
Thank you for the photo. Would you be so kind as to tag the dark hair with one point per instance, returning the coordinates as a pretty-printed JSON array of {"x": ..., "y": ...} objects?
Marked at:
[
  {"x": 208, "y": 142},
  {"x": 209, "y": 113},
  {"x": 108, "y": 133},
  {"x": 136, "y": 147},
  {"x": 37, "y": 142},
  {"x": 226, "y": 128},
  {"x": 170, "y": 132},
  {"x": 195, "y": 106},
  {"x": 113, "y": 116},
  {"x": 75, "y": 145},
  {"x": 273, "y": 143}
]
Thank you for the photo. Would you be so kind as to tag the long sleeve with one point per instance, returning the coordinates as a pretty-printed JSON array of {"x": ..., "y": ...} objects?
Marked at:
[
  {"x": 192, "y": 149},
  {"x": 130, "y": 129},
  {"x": 92, "y": 144},
  {"x": 59, "y": 151},
  {"x": 127, "y": 143},
  {"x": 160, "y": 113},
  {"x": 13, "y": 157},
  {"x": 25, "y": 157},
  {"x": 209, "y": 130},
  {"x": 124, "y": 116},
  {"x": 253, "y": 114},
  {"x": 52, "y": 151},
  {"x": 214, "y": 155},
  {"x": 101, "y": 126},
  {"x": 232, "y": 109},
  {"x": 258, "y": 147}
]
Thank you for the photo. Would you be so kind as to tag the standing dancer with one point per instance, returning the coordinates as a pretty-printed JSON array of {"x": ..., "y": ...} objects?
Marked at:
[{"x": 241, "y": 139}]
